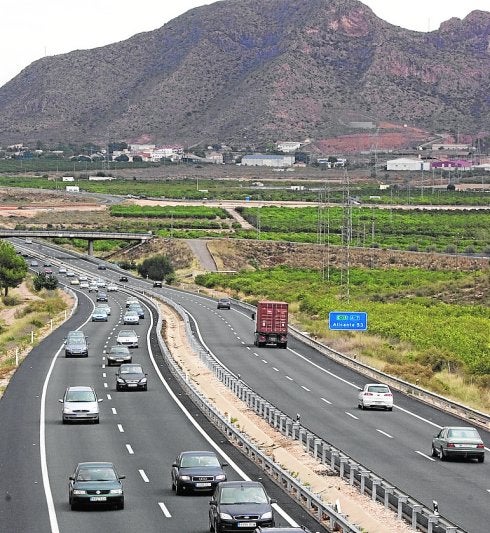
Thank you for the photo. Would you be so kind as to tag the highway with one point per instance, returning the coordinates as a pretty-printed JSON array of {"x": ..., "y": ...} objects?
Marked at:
[
  {"x": 140, "y": 432},
  {"x": 395, "y": 445}
]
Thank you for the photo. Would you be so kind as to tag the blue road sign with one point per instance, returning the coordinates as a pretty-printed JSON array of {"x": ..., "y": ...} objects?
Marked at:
[{"x": 347, "y": 320}]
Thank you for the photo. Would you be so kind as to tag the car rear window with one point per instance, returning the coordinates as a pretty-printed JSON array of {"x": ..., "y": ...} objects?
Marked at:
[
  {"x": 463, "y": 433},
  {"x": 379, "y": 388}
]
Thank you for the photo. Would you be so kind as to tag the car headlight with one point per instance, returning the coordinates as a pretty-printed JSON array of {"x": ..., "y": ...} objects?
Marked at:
[
  {"x": 116, "y": 491},
  {"x": 185, "y": 478},
  {"x": 143, "y": 380},
  {"x": 225, "y": 516},
  {"x": 120, "y": 380},
  {"x": 67, "y": 411},
  {"x": 267, "y": 516},
  {"x": 220, "y": 477},
  {"x": 79, "y": 491}
]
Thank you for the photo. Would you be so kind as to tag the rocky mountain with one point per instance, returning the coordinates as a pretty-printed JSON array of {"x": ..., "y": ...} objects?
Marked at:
[{"x": 255, "y": 70}]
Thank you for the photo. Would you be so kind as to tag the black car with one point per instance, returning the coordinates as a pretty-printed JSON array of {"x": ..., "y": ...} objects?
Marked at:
[
  {"x": 118, "y": 355},
  {"x": 240, "y": 506},
  {"x": 102, "y": 297},
  {"x": 131, "y": 376},
  {"x": 101, "y": 267},
  {"x": 95, "y": 484},
  {"x": 157, "y": 284},
  {"x": 76, "y": 344},
  {"x": 195, "y": 471},
  {"x": 224, "y": 303},
  {"x": 123, "y": 278}
]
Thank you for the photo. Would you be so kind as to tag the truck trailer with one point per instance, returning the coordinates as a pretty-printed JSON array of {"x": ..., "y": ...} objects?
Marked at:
[{"x": 271, "y": 326}]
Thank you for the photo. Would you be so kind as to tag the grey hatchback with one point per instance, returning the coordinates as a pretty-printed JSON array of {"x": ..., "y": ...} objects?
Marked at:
[{"x": 464, "y": 442}]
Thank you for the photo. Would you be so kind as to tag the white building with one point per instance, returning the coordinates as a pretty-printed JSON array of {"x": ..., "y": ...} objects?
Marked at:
[
  {"x": 261, "y": 160},
  {"x": 288, "y": 147},
  {"x": 407, "y": 164}
]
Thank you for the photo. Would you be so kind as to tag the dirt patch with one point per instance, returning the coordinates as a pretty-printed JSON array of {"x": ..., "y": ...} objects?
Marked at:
[{"x": 371, "y": 516}]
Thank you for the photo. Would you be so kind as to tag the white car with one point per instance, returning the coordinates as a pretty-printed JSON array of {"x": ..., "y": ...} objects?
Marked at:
[
  {"x": 131, "y": 318},
  {"x": 62, "y": 270},
  {"x": 127, "y": 337},
  {"x": 83, "y": 278},
  {"x": 112, "y": 287},
  {"x": 375, "y": 395},
  {"x": 84, "y": 285},
  {"x": 70, "y": 274},
  {"x": 80, "y": 403},
  {"x": 74, "y": 281}
]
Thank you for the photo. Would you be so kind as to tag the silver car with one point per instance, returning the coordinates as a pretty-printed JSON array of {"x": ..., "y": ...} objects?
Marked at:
[
  {"x": 80, "y": 403},
  {"x": 99, "y": 315},
  {"x": 127, "y": 337},
  {"x": 464, "y": 442},
  {"x": 105, "y": 306}
]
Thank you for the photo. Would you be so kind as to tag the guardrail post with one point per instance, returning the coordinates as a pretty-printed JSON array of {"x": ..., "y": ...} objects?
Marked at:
[
  {"x": 282, "y": 422},
  {"x": 416, "y": 508},
  {"x": 333, "y": 455},
  {"x": 309, "y": 438},
  {"x": 272, "y": 411},
  {"x": 352, "y": 473},
  {"x": 388, "y": 490},
  {"x": 302, "y": 432},
  {"x": 316, "y": 446},
  {"x": 433, "y": 519},
  {"x": 343, "y": 462},
  {"x": 324, "y": 453},
  {"x": 401, "y": 501},
  {"x": 289, "y": 428},
  {"x": 364, "y": 475},
  {"x": 376, "y": 483},
  {"x": 276, "y": 417}
]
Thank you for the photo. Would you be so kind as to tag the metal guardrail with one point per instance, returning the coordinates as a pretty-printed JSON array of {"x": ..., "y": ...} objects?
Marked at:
[
  {"x": 354, "y": 473},
  {"x": 326, "y": 515}
]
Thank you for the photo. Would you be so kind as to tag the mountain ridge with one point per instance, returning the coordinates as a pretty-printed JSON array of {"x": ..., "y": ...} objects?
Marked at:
[{"x": 245, "y": 71}]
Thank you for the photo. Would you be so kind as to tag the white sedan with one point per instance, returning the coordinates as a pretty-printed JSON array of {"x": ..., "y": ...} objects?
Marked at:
[
  {"x": 127, "y": 337},
  {"x": 375, "y": 395},
  {"x": 112, "y": 287}
]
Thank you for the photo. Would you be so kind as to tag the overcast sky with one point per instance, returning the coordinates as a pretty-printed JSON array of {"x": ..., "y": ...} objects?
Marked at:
[{"x": 31, "y": 29}]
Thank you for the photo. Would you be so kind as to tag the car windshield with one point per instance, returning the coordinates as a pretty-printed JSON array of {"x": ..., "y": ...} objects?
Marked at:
[
  {"x": 80, "y": 396},
  {"x": 100, "y": 310},
  {"x": 379, "y": 388},
  {"x": 131, "y": 369},
  {"x": 463, "y": 433},
  {"x": 122, "y": 350},
  {"x": 189, "y": 461},
  {"x": 96, "y": 474},
  {"x": 235, "y": 495},
  {"x": 127, "y": 334},
  {"x": 75, "y": 335}
]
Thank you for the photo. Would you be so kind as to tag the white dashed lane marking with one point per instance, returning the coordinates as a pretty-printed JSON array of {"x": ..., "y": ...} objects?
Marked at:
[
  {"x": 385, "y": 434},
  {"x": 114, "y": 412},
  {"x": 144, "y": 476},
  {"x": 120, "y": 428},
  {"x": 326, "y": 401},
  {"x": 109, "y": 397},
  {"x": 351, "y": 415},
  {"x": 130, "y": 450},
  {"x": 164, "y": 509},
  {"x": 305, "y": 388},
  {"x": 424, "y": 455}
]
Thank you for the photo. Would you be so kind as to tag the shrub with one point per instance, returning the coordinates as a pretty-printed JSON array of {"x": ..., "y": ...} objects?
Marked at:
[{"x": 10, "y": 300}]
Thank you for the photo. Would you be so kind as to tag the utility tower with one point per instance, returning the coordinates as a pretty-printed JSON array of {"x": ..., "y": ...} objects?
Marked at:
[{"x": 346, "y": 240}]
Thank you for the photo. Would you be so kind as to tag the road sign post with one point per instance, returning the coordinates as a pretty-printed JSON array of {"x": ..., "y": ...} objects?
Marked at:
[{"x": 347, "y": 320}]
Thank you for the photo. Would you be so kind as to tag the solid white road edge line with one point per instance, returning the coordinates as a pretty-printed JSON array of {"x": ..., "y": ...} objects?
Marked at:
[{"x": 191, "y": 419}]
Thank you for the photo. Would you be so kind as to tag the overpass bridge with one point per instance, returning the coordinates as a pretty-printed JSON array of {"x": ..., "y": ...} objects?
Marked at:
[{"x": 89, "y": 236}]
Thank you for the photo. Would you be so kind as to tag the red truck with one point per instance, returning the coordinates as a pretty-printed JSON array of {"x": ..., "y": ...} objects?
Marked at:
[{"x": 271, "y": 326}]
